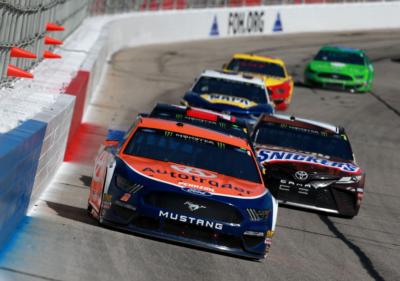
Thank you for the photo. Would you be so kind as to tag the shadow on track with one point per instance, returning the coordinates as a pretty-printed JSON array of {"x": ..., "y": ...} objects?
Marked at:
[
  {"x": 71, "y": 212},
  {"x": 364, "y": 259},
  {"x": 362, "y": 256}
]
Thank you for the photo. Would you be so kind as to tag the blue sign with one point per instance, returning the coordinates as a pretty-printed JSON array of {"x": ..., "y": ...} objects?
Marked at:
[
  {"x": 214, "y": 27},
  {"x": 278, "y": 27}
]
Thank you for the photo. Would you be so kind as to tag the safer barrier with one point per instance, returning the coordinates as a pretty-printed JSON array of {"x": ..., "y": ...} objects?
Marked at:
[
  {"x": 19, "y": 158},
  {"x": 58, "y": 119}
]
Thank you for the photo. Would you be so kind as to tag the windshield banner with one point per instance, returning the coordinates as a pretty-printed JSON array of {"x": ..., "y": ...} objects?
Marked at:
[
  {"x": 270, "y": 156},
  {"x": 230, "y": 100}
]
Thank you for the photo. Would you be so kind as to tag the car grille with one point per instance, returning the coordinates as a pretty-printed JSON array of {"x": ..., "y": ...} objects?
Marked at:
[
  {"x": 208, "y": 209},
  {"x": 336, "y": 76},
  {"x": 285, "y": 187},
  {"x": 201, "y": 234},
  {"x": 123, "y": 213},
  {"x": 253, "y": 241},
  {"x": 329, "y": 197},
  {"x": 325, "y": 199}
]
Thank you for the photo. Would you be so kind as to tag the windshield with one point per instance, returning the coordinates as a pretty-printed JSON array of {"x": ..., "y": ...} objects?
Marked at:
[
  {"x": 210, "y": 85},
  {"x": 301, "y": 139},
  {"x": 331, "y": 56},
  {"x": 194, "y": 151},
  {"x": 258, "y": 67},
  {"x": 236, "y": 129}
]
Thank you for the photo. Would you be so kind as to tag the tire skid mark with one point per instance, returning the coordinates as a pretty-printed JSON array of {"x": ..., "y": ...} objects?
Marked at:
[
  {"x": 385, "y": 103},
  {"x": 366, "y": 262},
  {"x": 28, "y": 274},
  {"x": 368, "y": 229},
  {"x": 164, "y": 59},
  {"x": 354, "y": 237},
  {"x": 72, "y": 185},
  {"x": 306, "y": 45}
]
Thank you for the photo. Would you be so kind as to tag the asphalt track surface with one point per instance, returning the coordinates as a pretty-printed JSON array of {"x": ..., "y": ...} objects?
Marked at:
[{"x": 58, "y": 241}]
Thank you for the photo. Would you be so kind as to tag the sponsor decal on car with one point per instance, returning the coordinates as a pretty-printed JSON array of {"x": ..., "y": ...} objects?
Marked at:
[
  {"x": 266, "y": 156},
  {"x": 230, "y": 100},
  {"x": 193, "y": 171},
  {"x": 196, "y": 181},
  {"x": 196, "y": 191},
  {"x": 125, "y": 197},
  {"x": 106, "y": 203},
  {"x": 213, "y": 183},
  {"x": 193, "y": 206},
  {"x": 107, "y": 197},
  {"x": 190, "y": 220},
  {"x": 197, "y": 187}
]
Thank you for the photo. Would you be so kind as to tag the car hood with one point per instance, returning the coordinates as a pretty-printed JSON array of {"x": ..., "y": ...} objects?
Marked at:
[
  {"x": 195, "y": 179},
  {"x": 218, "y": 102},
  {"x": 270, "y": 81},
  {"x": 301, "y": 161},
  {"x": 335, "y": 67}
]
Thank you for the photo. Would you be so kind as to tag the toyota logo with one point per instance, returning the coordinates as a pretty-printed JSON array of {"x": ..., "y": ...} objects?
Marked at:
[
  {"x": 193, "y": 171},
  {"x": 301, "y": 175}
]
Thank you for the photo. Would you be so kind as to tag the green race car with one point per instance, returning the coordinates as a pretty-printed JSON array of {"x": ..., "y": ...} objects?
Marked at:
[{"x": 340, "y": 68}]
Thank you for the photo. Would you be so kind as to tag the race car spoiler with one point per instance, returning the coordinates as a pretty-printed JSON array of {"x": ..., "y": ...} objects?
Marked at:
[{"x": 222, "y": 123}]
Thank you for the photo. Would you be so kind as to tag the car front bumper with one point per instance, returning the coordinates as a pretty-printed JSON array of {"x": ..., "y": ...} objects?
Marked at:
[
  {"x": 329, "y": 200},
  {"x": 139, "y": 217},
  {"x": 229, "y": 247},
  {"x": 336, "y": 84}
]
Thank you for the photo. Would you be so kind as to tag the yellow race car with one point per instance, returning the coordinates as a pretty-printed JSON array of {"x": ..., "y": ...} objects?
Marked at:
[{"x": 272, "y": 70}]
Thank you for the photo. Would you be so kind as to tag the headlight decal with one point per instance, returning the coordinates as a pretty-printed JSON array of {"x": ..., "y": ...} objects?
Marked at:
[
  {"x": 349, "y": 179},
  {"x": 127, "y": 185},
  {"x": 257, "y": 214},
  {"x": 109, "y": 175}
]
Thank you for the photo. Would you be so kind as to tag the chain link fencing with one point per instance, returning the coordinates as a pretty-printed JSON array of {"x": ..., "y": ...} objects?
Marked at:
[{"x": 23, "y": 25}]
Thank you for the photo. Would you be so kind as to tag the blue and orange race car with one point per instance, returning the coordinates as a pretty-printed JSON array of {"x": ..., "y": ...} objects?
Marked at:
[{"x": 177, "y": 181}]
